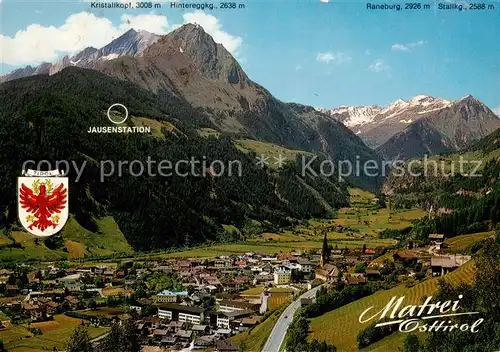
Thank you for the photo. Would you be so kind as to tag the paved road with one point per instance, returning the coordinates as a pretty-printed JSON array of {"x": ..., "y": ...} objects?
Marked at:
[{"x": 277, "y": 336}]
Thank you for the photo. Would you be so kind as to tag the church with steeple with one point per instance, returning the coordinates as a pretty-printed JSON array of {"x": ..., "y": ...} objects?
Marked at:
[
  {"x": 325, "y": 251},
  {"x": 326, "y": 271}
]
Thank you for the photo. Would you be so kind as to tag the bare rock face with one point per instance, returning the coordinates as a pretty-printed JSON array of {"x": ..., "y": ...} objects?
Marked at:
[
  {"x": 211, "y": 58},
  {"x": 419, "y": 126},
  {"x": 43, "y": 69},
  {"x": 453, "y": 128},
  {"x": 19, "y": 73},
  {"x": 189, "y": 64},
  {"x": 131, "y": 43},
  {"x": 375, "y": 125},
  {"x": 59, "y": 66}
]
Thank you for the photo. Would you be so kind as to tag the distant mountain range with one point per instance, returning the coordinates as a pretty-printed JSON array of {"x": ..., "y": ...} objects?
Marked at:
[
  {"x": 422, "y": 125},
  {"x": 130, "y": 43},
  {"x": 375, "y": 124},
  {"x": 188, "y": 64}
]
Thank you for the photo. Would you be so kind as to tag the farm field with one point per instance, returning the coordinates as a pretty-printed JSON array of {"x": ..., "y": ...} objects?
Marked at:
[
  {"x": 11, "y": 299},
  {"x": 364, "y": 215},
  {"x": 115, "y": 291},
  {"x": 54, "y": 334},
  {"x": 105, "y": 312},
  {"x": 373, "y": 221},
  {"x": 464, "y": 242},
  {"x": 253, "y": 291},
  {"x": 364, "y": 221},
  {"x": 4, "y": 239},
  {"x": 272, "y": 248},
  {"x": 276, "y": 301},
  {"x": 284, "y": 237},
  {"x": 345, "y": 319}
]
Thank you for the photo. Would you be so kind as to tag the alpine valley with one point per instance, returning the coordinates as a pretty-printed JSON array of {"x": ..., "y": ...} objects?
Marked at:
[
  {"x": 423, "y": 125},
  {"x": 200, "y": 103},
  {"x": 298, "y": 253}
]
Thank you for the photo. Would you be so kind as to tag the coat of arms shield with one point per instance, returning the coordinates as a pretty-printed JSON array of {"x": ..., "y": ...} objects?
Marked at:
[{"x": 42, "y": 202}]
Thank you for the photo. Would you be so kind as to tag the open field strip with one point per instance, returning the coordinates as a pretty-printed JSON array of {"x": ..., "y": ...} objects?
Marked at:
[
  {"x": 254, "y": 339},
  {"x": 54, "y": 334},
  {"x": 464, "y": 242},
  {"x": 390, "y": 343},
  {"x": 271, "y": 248}
]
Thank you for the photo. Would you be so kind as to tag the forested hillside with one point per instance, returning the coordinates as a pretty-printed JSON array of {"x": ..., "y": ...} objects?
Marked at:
[
  {"x": 459, "y": 202},
  {"x": 47, "y": 118}
]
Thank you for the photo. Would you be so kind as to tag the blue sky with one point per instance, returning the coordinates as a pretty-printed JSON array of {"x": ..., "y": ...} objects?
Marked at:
[{"x": 316, "y": 53}]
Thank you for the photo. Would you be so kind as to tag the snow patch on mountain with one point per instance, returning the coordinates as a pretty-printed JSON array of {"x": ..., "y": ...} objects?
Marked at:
[
  {"x": 110, "y": 56},
  {"x": 131, "y": 43},
  {"x": 375, "y": 124}
]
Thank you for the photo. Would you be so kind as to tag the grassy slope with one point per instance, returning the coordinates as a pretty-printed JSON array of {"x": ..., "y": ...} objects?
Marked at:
[
  {"x": 345, "y": 319},
  {"x": 156, "y": 126},
  {"x": 362, "y": 216},
  {"x": 464, "y": 242},
  {"x": 254, "y": 339},
  {"x": 77, "y": 240},
  {"x": 271, "y": 248},
  {"x": 445, "y": 162},
  {"x": 31, "y": 249},
  {"x": 17, "y": 338},
  {"x": 109, "y": 240},
  {"x": 391, "y": 343}
]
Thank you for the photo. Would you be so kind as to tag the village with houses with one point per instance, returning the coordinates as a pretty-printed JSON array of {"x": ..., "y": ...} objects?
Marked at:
[{"x": 198, "y": 303}]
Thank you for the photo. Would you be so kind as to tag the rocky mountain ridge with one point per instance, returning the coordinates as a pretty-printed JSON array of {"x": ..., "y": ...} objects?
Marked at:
[{"x": 131, "y": 43}]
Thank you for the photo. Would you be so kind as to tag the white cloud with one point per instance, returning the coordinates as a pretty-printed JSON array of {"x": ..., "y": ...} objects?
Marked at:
[
  {"x": 407, "y": 46},
  {"x": 151, "y": 23},
  {"x": 212, "y": 26},
  {"x": 325, "y": 1},
  {"x": 38, "y": 43},
  {"x": 379, "y": 66},
  {"x": 331, "y": 57},
  {"x": 399, "y": 47},
  {"x": 497, "y": 111}
]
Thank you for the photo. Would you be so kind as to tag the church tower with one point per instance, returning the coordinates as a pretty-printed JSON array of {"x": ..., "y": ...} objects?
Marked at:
[{"x": 324, "y": 251}]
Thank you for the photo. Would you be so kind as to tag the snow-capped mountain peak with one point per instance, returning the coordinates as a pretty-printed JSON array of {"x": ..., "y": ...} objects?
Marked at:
[
  {"x": 375, "y": 124},
  {"x": 399, "y": 104},
  {"x": 131, "y": 43},
  {"x": 353, "y": 115}
]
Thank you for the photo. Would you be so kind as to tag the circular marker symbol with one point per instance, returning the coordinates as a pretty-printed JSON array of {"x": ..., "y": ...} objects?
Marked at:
[{"x": 124, "y": 108}]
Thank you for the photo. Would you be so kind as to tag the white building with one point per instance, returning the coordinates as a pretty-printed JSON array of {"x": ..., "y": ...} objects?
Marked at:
[
  {"x": 225, "y": 320},
  {"x": 305, "y": 266},
  {"x": 167, "y": 296},
  {"x": 176, "y": 312},
  {"x": 282, "y": 277},
  {"x": 228, "y": 306},
  {"x": 164, "y": 314}
]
